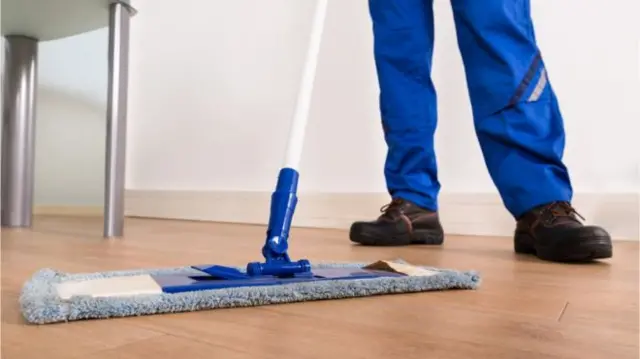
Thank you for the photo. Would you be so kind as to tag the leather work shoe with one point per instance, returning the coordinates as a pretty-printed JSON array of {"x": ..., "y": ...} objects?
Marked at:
[
  {"x": 401, "y": 223},
  {"x": 553, "y": 232}
]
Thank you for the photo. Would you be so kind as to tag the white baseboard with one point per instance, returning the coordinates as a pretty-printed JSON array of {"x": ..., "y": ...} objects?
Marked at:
[{"x": 461, "y": 213}]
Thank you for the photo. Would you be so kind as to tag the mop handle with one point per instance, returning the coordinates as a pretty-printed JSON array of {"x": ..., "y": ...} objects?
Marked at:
[
  {"x": 301, "y": 114},
  {"x": 284, "y": 198}
]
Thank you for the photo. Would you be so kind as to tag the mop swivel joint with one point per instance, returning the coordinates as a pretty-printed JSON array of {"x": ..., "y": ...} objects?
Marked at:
[
  {"x": 283, "y": 204},
  {"x": 277, "y": 262}
]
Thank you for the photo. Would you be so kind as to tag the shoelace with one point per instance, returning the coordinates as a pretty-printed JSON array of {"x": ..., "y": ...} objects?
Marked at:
[
  {"x": 391, "y": 206},
  {"x": 559, "y": 210}
]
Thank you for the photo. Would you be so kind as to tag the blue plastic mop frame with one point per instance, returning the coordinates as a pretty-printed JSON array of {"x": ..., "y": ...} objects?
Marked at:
[{"x": 278, "y": 268}]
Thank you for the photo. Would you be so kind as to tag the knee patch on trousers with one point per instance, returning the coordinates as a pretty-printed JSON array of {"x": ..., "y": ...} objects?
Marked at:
[
  {"x": 532, "y": 85},
  {"x": 531, "y": 88}
]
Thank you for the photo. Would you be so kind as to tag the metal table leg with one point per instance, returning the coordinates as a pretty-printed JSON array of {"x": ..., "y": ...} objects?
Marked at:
[
  {"x": 18, "y": 130},
  {"x": 119, "y": 18}
]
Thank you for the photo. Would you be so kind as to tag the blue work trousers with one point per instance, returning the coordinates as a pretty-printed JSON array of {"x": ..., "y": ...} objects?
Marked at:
[{"x": 515, "y": 111}]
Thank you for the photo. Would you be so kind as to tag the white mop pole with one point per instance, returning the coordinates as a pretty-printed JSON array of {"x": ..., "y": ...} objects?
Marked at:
[
  {"x": 301, "y": 114},
  {"x": 284, "y": 198}
]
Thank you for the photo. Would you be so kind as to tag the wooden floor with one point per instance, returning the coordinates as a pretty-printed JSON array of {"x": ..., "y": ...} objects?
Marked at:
[{"x": 524, "y": 309}]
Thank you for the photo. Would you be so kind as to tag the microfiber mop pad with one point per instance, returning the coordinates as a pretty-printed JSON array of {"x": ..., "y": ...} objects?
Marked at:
[{"x": 40, "y": 303}]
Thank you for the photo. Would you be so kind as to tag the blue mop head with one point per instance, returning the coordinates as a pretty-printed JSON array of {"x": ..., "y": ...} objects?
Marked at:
[{"x": 40, "y": 303}]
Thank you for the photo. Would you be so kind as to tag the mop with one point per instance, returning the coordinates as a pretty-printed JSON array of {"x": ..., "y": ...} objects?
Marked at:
[{"x": 52, "y": 296}]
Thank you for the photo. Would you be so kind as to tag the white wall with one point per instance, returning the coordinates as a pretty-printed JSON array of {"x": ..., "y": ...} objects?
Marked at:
[
  {"x": 213, "y": 89},
  {"x": 70, "y": 149},
  {"x": 71, "y": 121}
]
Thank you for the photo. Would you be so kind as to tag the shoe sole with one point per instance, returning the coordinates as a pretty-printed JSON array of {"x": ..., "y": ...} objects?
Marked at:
[
  {"x": 588, "y": 249},
  {"x": 418, "y": 237}
]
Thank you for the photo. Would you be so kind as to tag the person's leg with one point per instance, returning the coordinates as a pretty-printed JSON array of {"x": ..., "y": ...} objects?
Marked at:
[
  {"x": 403, "y": 46},
  {"x": 520, "y": 128}
]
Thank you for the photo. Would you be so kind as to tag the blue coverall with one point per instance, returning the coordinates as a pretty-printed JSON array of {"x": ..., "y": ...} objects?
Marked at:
[{"x": 515, "y": 111}]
